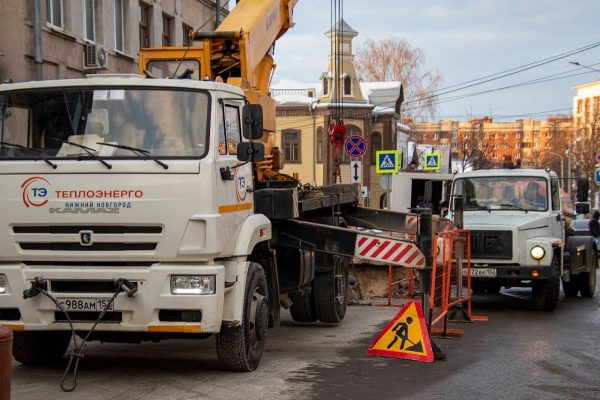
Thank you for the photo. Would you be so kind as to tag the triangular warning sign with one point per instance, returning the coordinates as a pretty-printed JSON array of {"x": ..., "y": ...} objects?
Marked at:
[
  {"x": 432, "y": 162},
  {"x": 386, "y": 163},
  {"x": 405, "y": 336}
]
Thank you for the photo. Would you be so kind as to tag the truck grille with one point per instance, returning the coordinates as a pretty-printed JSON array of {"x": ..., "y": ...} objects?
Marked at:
[
  {"x": 66, "y": 238},
  {"x": 496, "y": 245}
]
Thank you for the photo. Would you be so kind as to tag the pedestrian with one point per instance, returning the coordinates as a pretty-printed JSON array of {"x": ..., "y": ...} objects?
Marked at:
[{"x": 594, "y": 225}]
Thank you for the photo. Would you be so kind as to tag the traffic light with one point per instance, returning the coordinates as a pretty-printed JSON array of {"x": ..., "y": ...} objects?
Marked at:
[{"x": 583, "y": 187}]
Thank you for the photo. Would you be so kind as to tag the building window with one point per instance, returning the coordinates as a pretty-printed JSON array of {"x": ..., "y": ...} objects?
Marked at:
[
  {"x": 144, "y": 25},
  {"x": 517, "y": 136},
  {"x": 347, "y": 86},
  {"x": 188, "y": 31},
  {"x": 54, "y": 11},
  {"x": 119, "y": 42},
  {"x": 325, "y": 87},
  {"x": 320, "y": 144},
  {"x": 435, "y": 136},
  {"x": 290, "y": 140},
  {"x": 375, "y": 146},
  {"x": 166, "y": 30},
  {"x": 88, "y": 20},
  {"x": 454, "y": 135}
]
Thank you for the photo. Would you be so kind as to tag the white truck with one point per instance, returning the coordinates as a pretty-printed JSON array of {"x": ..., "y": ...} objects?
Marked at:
[
  {"x": 133, "y": 204},
  {"x": 518, "y": 237}
]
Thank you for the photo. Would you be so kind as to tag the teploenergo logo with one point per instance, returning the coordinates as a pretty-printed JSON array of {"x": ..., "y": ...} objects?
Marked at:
[{"x": 35, "y": 191}]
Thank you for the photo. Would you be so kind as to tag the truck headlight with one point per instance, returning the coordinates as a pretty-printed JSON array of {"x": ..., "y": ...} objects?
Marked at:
[
  {"x": 537, "y": 252},
  {"x": 193, "y": 284},
  {"x": 3, "y": 281}
]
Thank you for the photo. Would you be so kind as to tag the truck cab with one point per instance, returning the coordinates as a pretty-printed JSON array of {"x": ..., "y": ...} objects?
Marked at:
[{"x": 516, "y": 230}]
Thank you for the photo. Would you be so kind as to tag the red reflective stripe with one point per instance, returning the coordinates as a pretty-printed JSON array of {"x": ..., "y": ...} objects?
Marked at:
[
  {"x": 361, "y": 241},
  {"x": 402, "y": 253},
  {"x": 392, "y": 251},
  {"x": 369, "y": 247},
  {"x": 380, "y": 249},
  {"x": 421, "y": 261},
  {"x": 413, "y": 256}
]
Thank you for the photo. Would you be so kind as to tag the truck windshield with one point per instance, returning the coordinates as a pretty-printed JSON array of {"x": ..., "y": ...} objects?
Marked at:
[
  {"x": 502, "y": 193},
  {"x": 162, "y": 123}
]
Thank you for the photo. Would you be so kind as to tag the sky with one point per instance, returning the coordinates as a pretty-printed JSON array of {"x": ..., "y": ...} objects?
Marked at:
[{"x": 463, "y": 40}]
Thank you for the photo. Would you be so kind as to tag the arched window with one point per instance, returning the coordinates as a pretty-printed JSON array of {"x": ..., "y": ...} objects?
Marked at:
[
  {"x": 325, "y": 87},
  {"x": 375, "y": 145},
  {"x": 347, "y": 86},
  {"x": 320, "y": 144}
]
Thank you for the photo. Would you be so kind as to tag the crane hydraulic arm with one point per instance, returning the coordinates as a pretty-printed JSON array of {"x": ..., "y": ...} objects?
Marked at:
[{"x": 238, "y": 52}]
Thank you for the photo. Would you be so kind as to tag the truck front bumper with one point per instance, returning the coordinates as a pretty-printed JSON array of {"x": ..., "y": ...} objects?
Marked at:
[
  {"x": 141, "y": 313},
  {"x": 510, "y": 272}
]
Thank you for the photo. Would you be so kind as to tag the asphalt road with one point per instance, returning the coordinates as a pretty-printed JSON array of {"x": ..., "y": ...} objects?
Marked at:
[{"x": 518, "y": 354}]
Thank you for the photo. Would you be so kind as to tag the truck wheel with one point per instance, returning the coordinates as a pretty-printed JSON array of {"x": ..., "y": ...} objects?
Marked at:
[
  {"x": 546, "y": 293},
  {"x": 40, "y": 347},
  {"x": 240, "y": 348},
  {"x": 303, "y": 307},
  {"x": 571, "y": 288},
  {"x": 587, "y": 280},
  {"x": 331, "y": 290}
]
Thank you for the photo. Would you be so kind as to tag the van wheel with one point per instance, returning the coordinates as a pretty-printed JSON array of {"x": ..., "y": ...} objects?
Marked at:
[
  {"x": 587, "y": 280},
  {"x": 240, "y": 348},
  {"x": 331, "y": 290},
  {"x": 546, "y": 293},
  {"x": 303, "y": 307},
  {"x": 40, "y": 347}
]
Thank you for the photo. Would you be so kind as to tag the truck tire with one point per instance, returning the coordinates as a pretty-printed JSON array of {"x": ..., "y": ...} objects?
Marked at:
[
  {"x": 303, "y": 307},
  {"x": 546, "y": 293},
  {"x": 331, "y": 290},
  {"x": 239, "y": 348},
  {"x": 571, "y": 288},
  {"x": 587, "y": 280},
  {"x": 40, "y": 347}
]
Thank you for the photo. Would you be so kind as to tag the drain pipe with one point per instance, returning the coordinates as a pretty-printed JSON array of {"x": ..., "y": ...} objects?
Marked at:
[{"x": 37, "y": 40}]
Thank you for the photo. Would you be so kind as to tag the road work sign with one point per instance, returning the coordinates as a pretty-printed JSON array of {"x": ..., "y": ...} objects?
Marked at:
[
  {"x": 405, "y": 336},
  {"x": 388, "y": 161},
  {"x": 432, "y": 162}
]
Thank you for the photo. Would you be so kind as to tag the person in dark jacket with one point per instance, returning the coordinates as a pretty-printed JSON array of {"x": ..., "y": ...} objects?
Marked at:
[{"x": 594, "y": 225}]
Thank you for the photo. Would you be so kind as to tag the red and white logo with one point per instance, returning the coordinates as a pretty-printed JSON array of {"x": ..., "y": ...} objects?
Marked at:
[{"x": 35, "y": 191}]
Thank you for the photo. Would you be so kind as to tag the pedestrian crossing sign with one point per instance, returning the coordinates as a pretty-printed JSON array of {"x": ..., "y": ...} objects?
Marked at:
[
  {"x": 432, "y": 162},
  {"x": 388, "y": 161},
  {"x": 405, "y": 336}
]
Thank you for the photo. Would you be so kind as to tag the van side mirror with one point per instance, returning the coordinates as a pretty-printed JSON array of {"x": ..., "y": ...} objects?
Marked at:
[
  {"x": 250, "y": 151},
  {"x": 252, "y": 121}
]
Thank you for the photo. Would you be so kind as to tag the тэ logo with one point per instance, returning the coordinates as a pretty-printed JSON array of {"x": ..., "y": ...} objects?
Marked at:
[{"x": 35, "y": 192}]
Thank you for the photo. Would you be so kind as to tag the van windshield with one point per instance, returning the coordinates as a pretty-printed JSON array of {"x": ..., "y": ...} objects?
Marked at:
[
  {"x": 502, "y": 193},
  {"x": 162, "y": 123}
]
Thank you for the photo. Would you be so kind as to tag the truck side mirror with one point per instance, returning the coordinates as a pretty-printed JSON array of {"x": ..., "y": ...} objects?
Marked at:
[
  {"x": 250, "y": 151},
  {"x": 252, "y": 121}
]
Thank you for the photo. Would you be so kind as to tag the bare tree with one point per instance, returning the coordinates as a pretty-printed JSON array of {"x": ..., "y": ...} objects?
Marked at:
[
  {"x": 585, "y": 146},
  {"x": 474, "y": 152},
  {"x": 394, "y": 59}
]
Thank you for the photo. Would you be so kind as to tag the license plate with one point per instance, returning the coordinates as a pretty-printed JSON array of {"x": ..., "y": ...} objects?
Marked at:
[
  {"x": 79, "y": 304},
  {"x": 481, "y": 272}
]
